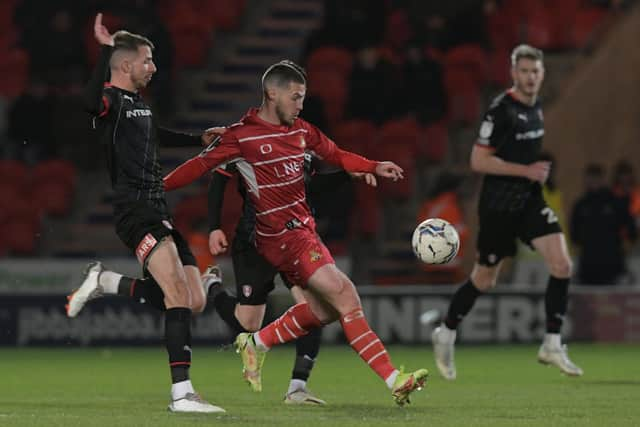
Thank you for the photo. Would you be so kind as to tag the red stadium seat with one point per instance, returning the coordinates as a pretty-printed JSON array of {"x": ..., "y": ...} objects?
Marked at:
[
  {"x": 56, "y": 170},
  {"x": 586, "y": 24},
  {"x": 14, "y": 72},
  {"x": 355, "y": 135},
  {"x": 331, "y": 88},
  {"x": 14, "y": 173},
  {"x": 21, "y": 236},
  {"x": 53, "y": 197},
  {"x": 466, "y": 69},
  {"x": 331, "y": 59}
]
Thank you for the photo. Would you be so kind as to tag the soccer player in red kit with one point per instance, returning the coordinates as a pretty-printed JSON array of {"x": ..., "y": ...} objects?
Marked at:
[{"x": 268, "y": 147}]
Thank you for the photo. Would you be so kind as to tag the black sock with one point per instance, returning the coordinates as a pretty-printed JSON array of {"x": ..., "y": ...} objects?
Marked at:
[
  {"x": 307, "y": 348},
  {"x": 556, "y": 300},
  {"x": 225, "y": 306},
  {"x": 177, "y": 333},
  {"x": 461, "y": 304},
  {"x": 144, "y": 290}
]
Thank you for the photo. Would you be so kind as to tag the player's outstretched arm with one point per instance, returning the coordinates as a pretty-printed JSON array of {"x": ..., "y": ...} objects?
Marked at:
[
  {"x": 94, "y": 102},
  {"x": 215, "y": 197},
  {"x": 171, "y": 138},
  {"x": 210, "y": 158}
]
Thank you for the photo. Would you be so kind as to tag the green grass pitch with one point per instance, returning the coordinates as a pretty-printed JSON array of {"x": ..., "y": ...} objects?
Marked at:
[{"x": 496, "y": 386}]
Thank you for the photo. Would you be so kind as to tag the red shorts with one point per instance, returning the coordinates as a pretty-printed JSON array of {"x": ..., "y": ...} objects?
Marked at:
[{"x": 297, "y": 254}]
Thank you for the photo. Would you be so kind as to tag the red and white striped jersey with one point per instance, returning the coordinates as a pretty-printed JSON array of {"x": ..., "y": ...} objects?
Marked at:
[{"x": 270, "y": 159}]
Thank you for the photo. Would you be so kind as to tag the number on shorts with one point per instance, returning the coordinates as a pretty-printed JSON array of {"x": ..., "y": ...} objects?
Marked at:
[{"x": 550, "y": 214}]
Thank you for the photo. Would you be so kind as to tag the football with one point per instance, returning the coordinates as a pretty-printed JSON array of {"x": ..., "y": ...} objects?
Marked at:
[{"x": 435, "y": 241}]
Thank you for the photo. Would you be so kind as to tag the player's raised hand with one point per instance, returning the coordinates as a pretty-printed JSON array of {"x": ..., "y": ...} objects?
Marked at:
[
  {"x": 369, "y": 178},
  {"x": 539, "y": 171},
  {"x": 101, "y": 32},
  {"x": 217, "y": 242},
  {"x": 389, "y": 170},
  {"x": 212, "y": 133}
]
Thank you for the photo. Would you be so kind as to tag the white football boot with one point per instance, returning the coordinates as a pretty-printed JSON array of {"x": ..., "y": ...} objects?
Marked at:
[
  {"x": 302, "y": 397},
  {"x": 443, "y": 340},
  {"x": 192, "y": 402},
  {"x": 90, "y": 289},
  {"x": 559, "y": 357}
]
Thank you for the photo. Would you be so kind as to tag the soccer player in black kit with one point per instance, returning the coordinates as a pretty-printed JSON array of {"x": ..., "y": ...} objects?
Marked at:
[
  {"x": 255, "y": 276},
  {"x": 125, "y": 126},
  {"x": 511, "y": 207}
]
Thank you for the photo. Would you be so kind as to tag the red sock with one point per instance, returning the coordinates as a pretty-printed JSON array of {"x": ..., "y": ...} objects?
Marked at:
[
  {"x": 366, "y": 343},
  {"x": 294, "y": 323}
]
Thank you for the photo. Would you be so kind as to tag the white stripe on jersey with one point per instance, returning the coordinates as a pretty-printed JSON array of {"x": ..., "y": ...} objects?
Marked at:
[
  {"x": 279, "y": 208},
  {"x": 280, "y": 233},
  {"x": 280, "y": 184},
  {"x": 273, "y": 135},
  {"x": 266, "y": 162}
]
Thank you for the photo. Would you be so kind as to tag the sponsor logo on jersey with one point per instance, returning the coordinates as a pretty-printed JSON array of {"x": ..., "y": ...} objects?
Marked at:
[
  {"x": 315, "y": 256},
  {"x": 138, "y": 113},
  {"x": 145, "y": 247},
  {"x": 523, "y": 117},
  {"x": 128, "y": 98},
  {"x": 247, "y": 290},
  {"x": 486, "y": 129},
  {"x": 532, "y": 134}
]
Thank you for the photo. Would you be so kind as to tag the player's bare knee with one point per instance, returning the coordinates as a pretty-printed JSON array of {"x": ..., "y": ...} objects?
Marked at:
[
  {"x": 484, "y": 282},
  {"x": 561, "y": 268},
  {"x": 198, "y": 299}
]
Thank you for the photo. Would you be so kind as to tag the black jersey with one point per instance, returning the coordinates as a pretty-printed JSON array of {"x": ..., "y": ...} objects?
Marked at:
[
  {"x": 126, "y": 128},
  {"x": 245, "y": 230},
  {"x": 514, "y": 132}
]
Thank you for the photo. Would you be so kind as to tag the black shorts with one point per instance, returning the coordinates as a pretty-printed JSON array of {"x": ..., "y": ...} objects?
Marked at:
[
  {"x": 498, "y": 231},
  {"x": 254, "y": 275},
  {"x": 141, "y": 228}
]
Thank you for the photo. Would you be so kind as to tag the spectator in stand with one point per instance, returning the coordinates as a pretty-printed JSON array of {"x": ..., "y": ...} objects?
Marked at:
[
  {"x": 626, "y": 188},
  {"x": 444, "y": 202},
  {"x": 597, "y": 223},
  {"x": 424, "y": 90},
  {"x": 31, "y": 143},
  {"x": 369, "y": 93}
]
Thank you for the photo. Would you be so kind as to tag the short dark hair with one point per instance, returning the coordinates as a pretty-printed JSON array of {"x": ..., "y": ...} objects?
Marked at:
[
  {"x": 527, "y": 52},
  {"x": 282, "y": 73},
  {"x": 124, "y": 40}
]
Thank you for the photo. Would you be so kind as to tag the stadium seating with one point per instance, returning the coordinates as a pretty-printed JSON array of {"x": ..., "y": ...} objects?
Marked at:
[
  {"x": 330, "y": 59},
  {"x": 355, "y": 135}
]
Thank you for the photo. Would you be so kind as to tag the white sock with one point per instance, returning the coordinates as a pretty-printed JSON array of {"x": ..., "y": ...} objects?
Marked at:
[
  {"x": 109, "y": 281},
  {"x": 180, "y": 390},
  {"x": 552, "y": 340},
  {"x": 392, "y": 379},
  {"x": 259, "y": 344},
  {"x": 296, "y": 385},
  {"x": 448, "y": 334}
]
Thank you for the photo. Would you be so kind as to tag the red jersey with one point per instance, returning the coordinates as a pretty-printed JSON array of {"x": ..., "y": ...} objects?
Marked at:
[{"x": 270, "y": 159}]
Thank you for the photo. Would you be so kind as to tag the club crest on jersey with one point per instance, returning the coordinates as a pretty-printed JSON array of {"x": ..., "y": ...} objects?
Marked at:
[
  {"x": 247, "y": 290},
  {"x": 315, "y": 256}
]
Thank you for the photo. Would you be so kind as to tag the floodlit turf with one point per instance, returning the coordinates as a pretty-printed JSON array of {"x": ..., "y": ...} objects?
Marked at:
[{"x": 497, "y": 386}]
